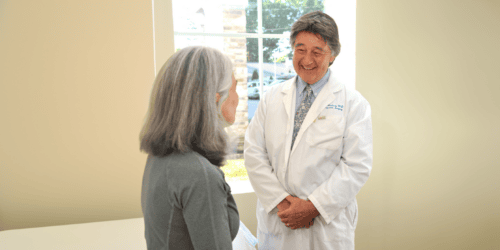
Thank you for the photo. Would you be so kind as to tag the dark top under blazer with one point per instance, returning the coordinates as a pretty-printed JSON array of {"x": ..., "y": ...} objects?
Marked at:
[{"x": 187, "y": 204}]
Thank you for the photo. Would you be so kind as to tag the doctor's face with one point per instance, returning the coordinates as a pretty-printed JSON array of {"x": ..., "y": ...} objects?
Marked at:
[{"x": 311, "y": 56}]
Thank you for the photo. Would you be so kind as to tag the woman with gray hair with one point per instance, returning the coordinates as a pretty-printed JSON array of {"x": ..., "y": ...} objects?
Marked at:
[{"x": 185, "y": 199}]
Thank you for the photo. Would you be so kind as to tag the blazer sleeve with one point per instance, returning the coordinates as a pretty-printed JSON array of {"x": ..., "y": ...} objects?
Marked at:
[
  {"x": 264, "y": 182},
  {"x": 332, "y": 196},
  {"x": 209, "y": 212},
  {"x": 232, "y": 212}
]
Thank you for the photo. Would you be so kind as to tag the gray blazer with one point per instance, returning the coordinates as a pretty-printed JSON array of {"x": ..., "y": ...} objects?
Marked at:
[{"x": 187, "y": 204}]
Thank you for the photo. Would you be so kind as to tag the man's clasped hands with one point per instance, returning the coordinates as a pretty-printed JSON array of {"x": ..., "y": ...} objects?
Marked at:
[{"x": 297, "y": 213}]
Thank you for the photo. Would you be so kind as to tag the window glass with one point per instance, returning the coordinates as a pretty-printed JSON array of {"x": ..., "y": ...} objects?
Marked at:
[
  {"x": 214, "y": 16},
  {"x": 276, "y": 68},
  {"x": 231, "y": 26},
  {"x": 278, "y": 16}
]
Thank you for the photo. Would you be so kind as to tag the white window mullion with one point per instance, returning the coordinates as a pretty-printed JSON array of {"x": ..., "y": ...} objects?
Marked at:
[{"x": 261, "y": 47}]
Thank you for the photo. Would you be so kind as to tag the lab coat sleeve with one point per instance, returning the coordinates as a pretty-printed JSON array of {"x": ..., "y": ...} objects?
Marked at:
[
  {"x": 332, "y": 196},
  {"x": 260, "y": 172}
]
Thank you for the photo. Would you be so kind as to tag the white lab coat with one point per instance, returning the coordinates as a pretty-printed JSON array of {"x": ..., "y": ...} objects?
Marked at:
[{"x": 328, "y": 164}]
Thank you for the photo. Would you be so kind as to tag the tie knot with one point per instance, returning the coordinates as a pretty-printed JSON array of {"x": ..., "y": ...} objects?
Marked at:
[{"x": 308, "y": 90}]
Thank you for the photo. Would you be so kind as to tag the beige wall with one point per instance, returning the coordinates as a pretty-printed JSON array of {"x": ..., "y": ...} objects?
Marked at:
[
  {"x": 75, "y": 81},
  {"x": 430, "y": 72},
  {"x": 75, "y": 85}
]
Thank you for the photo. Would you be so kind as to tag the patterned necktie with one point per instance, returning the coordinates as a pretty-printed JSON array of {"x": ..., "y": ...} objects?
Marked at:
[{"x": 302, "y": 111}]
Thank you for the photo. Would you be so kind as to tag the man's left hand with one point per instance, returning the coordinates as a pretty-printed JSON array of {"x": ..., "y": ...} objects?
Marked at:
[{"x": 300, "y": 213}]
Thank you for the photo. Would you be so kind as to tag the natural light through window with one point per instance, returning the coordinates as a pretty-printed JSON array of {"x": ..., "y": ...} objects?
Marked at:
[{"x": 255, "y": 35}]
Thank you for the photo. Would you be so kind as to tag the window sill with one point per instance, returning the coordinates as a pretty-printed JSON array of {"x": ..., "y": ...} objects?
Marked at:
[{"x": 240, "y": 187}]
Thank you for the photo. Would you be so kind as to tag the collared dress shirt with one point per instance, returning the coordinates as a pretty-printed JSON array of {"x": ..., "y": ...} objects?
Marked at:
[{"x": 316, "y": 88}]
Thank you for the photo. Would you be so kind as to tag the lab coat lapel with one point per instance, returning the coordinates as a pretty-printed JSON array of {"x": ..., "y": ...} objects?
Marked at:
[
  {"x": 325, "y": 97},
  {"x": 288, "y": 92}
]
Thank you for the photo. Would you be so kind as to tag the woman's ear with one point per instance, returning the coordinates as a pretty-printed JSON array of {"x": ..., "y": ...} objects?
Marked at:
[{"x": 217, "y": 97}]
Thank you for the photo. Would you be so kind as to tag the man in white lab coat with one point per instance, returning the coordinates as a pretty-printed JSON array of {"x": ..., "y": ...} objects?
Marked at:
[{"x": 308, "y": 148}]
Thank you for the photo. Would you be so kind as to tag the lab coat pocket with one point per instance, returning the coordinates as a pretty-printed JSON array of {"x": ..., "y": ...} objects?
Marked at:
[
  {"x": 326, "y": 132},
  {"x": 352, "y": 213},
  {"x": 269, "y": 223}
]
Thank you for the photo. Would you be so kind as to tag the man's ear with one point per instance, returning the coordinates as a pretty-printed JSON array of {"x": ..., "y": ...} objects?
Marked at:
[
  {"x": 332, "y": 58},
  {"x": 217, "y": 97}
]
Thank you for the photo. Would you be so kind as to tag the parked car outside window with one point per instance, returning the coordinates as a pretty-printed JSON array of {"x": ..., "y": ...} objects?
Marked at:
[{"x": 253, "y": 88}]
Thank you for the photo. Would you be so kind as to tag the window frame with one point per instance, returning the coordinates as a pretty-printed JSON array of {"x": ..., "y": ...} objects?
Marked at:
[
  {"x": 243, "y": 186},
  {"x": 259, "y": 35},
  {"x": 164, "y": 33}
]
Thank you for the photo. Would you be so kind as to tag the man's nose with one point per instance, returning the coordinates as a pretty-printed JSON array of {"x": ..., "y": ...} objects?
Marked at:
[{"x": 307, "y": 59}]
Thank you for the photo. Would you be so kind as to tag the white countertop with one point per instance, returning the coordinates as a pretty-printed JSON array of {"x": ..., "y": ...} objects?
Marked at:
[{"x": 106, "y": 235}]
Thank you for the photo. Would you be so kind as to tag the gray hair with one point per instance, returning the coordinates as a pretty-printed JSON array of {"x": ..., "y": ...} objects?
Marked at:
[
  {"x": 320, "y": 23},
  {"x": 183, "y": 114}
]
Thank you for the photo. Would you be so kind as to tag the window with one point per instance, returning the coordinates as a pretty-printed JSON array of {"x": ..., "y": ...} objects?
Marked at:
[{"x": 255, "y": 35}]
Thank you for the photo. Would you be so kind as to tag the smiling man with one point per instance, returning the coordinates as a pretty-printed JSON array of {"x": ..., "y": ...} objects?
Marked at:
[
  {"x": 311, "y": 57},
  {"x": 308, "y": 148}
]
